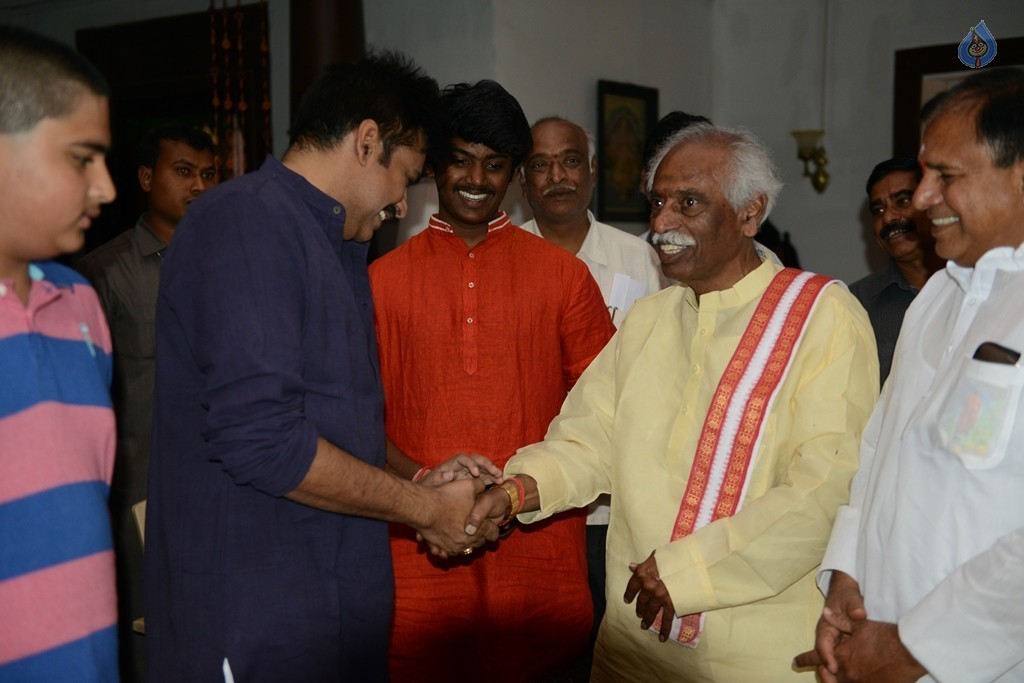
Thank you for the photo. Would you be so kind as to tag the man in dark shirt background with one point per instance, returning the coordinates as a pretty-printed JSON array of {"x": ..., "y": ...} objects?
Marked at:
[
  {"x": 175, "y": 166},
  {"x": 904, "y": 234}
]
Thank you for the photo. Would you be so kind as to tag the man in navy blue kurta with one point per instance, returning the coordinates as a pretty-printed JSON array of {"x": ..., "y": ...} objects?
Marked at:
[{"x": 266, "y": 554}]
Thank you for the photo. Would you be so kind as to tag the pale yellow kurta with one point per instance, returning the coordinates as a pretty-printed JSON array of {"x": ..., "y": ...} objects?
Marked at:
[{"x": 630, "y": 428}]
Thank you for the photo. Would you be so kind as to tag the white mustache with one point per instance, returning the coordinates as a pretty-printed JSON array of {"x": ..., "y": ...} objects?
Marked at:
[
  {"x": 561, "y": 187},
  {"x": 673, "y": 237}
]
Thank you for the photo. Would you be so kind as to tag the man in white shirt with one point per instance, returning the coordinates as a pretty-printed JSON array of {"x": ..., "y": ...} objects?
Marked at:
[
  {"x": 925, "y": 567},
  {"x": 558, "y": 179}
]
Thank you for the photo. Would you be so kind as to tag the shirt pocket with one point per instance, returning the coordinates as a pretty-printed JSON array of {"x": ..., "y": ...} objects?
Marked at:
[{"x": 978, "y": 414}]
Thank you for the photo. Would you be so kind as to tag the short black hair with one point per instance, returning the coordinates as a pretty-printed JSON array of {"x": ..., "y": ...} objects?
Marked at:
[
  {"x": 485, "y": 113},
  {"x": 149, "y": 145},
  {"x": 385, "y": 87},
  {"x": 667, "y": 126},
  {"x": 894, "y": 165},
  {"x": 41, "y": 78},
  {"x": 996, "y": 98}
]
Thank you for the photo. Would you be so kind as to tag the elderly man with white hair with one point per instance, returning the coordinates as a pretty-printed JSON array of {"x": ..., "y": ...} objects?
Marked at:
[{"x": 724, "y": 418}]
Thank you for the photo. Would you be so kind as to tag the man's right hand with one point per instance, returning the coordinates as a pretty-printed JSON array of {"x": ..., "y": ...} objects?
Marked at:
[
  {"x": 445, "y": 532},
  {"x": 843, "y": 606},
  {"x": 491, "y": 507}
]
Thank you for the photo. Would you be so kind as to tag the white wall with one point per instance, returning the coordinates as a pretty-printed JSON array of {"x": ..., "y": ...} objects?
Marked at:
[
  {"x": 451, "y": 39},
  {"x": 767, "y": 77},
  {"x": 551, "y": 53}
]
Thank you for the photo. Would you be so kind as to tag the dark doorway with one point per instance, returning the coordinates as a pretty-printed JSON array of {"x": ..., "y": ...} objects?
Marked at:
[{"x": 162, "y": 70}]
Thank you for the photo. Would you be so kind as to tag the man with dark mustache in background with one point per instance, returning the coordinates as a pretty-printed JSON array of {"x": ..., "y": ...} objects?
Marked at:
[
  {"x": 483, "y": 329},
  {"x": 887, "y": 293}
]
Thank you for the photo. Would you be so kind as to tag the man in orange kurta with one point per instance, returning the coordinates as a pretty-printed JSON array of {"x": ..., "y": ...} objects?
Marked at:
[{"x": 483, "y": 328}]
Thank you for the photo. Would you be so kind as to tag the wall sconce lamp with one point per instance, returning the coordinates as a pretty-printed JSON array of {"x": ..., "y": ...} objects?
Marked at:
[{"x": 810, "y": 151}]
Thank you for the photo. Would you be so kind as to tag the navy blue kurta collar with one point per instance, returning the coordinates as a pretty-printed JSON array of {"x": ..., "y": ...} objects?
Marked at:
[{"x": 329, "y": 211}]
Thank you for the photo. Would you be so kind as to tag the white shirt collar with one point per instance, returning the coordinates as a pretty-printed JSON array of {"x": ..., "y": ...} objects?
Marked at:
[{"x": 981, "y": 275}]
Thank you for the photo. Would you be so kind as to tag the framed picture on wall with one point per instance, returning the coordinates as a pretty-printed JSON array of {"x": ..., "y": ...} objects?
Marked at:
[
  {"x": 922, "y": 72},
  {"x": 626, "y": 115}
]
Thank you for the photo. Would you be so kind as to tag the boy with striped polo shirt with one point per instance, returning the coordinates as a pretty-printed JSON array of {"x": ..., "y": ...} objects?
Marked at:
[{"x": 57, "y": 597}]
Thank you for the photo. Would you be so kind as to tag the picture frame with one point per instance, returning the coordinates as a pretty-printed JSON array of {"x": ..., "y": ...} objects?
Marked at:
[
  {"x": 920, "y": 73},
  {"x": 626, "y": 115}
]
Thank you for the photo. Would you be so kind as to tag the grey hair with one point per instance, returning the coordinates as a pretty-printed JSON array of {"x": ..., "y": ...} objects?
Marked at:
[
  {"x": 750, "y": 170},
  {"x": 995, "y": 98}
]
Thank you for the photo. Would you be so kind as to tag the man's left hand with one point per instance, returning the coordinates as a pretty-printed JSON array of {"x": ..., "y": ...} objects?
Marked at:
[
  {"x": 651, "y": 596},
  {"x": 873, "y": 652},
  {"x": 844, "y": 605}
]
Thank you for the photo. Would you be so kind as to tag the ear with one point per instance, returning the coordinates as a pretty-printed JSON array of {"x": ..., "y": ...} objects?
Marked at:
[
  {"x": 521, "y": 173},
  {"x": 145, "y": 178},
  {"x": 1018, "y": 178},
  {"x": 593, "y": 172},
  {"x": 367, "y": 141},
  {"x": 751, "y": 215}
]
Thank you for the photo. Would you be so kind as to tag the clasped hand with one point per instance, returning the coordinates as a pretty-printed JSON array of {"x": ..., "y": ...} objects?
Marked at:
[
  {"x": 849, "y": 647},
  {"x": 457, "y": 484}
]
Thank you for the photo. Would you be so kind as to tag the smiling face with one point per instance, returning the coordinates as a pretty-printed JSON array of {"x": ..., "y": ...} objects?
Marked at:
[
  {"x": 973, "y": 205},
  {"x": 899, "y": 228},
  {"x": 53, "y": 181},
  {"x": 702, "y": 241},
  {"x": 558, "y": 178},
  {"x": 471, "y": 186},
  {"x": 381, "y": 194},
  {"x": 181, "y": 173}
]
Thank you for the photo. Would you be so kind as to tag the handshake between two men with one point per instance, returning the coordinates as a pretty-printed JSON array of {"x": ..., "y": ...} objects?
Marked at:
[
  {"x": 483, "y": 504},
  {"x": 477, "y": 504}
]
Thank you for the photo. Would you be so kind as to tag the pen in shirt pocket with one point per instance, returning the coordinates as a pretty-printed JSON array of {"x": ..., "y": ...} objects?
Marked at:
[
  {"x": 991, "y": 352},
  {"x": 88, "y": 340}
]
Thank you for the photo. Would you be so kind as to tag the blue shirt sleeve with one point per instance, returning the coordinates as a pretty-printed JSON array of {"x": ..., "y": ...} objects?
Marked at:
[{"x": 233, "y": 290}]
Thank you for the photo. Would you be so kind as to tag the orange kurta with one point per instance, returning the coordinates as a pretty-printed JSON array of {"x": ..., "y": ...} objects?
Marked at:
[{"x": 478, "y": 348}]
